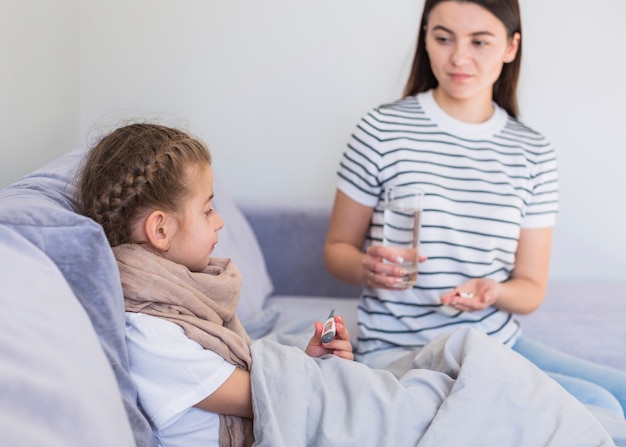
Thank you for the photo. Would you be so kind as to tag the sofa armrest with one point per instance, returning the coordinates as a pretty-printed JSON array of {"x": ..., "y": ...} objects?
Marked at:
[{"x": 292, "y": 237}]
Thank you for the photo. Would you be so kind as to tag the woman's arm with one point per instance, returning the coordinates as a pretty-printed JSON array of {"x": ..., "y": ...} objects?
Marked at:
[
  {"x": 343, "y": 256},
  {"x": 349, "y": 222},
  {"x": 524, "y": 292}
]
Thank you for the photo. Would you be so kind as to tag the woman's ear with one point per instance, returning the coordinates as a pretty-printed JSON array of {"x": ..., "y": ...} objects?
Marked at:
[
  {"x": 511, "y": 52},
  {"x": 157, "y": 230}
]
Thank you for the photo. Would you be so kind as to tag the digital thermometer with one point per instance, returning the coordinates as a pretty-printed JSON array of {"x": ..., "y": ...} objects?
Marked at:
[{"x": 328, "y": 332}]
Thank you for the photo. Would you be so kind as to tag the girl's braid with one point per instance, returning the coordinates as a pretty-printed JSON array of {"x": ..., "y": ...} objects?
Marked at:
[{"x": 135, "y": 170}]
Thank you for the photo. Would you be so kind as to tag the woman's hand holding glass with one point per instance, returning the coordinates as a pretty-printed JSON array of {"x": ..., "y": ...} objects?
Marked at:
[{"x": 381, "y": 268}]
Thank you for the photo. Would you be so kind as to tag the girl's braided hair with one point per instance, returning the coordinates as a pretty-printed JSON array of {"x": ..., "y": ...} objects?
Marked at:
[{"x": 134, "y": 170}]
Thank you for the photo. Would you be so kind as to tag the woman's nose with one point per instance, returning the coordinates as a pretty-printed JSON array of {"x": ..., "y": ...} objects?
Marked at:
[{"x": 460, "y": 55}]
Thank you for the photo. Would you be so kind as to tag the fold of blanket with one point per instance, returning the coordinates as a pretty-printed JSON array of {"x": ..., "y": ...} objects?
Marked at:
[
  {"x": 463, "y": 389},
  {"x": 203, "y": 303}
]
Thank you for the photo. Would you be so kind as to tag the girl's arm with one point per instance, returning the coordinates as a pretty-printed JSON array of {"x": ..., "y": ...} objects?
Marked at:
[{"x": 234, "y": 397}]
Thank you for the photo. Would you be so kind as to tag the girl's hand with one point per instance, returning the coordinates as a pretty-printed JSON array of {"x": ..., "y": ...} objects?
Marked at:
[
  {"x": 384, "y": 275},
  {"x": 339, "y": 346},
  {"x": 475, "y": 294}
]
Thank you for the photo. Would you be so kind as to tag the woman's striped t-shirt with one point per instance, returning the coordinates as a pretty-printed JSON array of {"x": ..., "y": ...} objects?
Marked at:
[{"x": 483, "y": 182}]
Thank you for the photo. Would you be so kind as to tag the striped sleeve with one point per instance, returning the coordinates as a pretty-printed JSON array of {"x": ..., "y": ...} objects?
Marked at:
[
  {"x": 543, "y": 203},
  {"x": 359, "y": 166}
]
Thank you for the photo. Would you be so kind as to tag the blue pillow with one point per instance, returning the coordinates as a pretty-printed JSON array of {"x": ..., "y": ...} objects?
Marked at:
[
  {"x": 39, "y": 207},
  {"x": 57, "y": 386}
]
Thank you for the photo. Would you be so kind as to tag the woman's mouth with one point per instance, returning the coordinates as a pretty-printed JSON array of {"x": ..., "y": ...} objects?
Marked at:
[{"x": 459, "y": 77}]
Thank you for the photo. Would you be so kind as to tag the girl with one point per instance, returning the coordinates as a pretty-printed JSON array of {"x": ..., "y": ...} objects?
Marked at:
[
  {"x": 491, "y": 201},
  {"x": 151, "y": 189}
]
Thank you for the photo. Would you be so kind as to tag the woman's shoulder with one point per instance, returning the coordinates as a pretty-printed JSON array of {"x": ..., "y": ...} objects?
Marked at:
[
  {"x": 517, "y": 130},
  {"x": 518, "y": 125},
  {"x": 401, "y": 112},
  {"x": 408, "y": 105}
]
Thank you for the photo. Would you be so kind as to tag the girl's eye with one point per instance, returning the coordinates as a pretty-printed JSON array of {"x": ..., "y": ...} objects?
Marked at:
[
  {"x": 209, "y": 212},
  {"x": 480, "y": 43},
  {"x": 442, "y": 39}
]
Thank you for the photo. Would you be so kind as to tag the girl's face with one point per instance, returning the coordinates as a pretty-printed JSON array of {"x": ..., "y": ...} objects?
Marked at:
[
  {"x": 467, "y": 46},
  {"x": 196, "y": 235}
]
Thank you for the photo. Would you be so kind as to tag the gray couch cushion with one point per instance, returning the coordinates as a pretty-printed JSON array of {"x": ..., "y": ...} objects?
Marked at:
[
  {"x": 39, "y": 208},
  {"x": 57, "y": 386}
]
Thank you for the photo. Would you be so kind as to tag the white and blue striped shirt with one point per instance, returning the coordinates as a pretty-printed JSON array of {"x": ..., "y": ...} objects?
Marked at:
[{"x": 484, "y": 182}]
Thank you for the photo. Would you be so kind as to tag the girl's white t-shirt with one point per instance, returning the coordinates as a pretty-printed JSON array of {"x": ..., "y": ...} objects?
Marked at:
[{"x": 172, "y": 374}]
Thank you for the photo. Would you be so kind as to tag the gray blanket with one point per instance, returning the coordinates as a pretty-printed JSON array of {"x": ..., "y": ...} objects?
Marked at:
[{"x": 465, "y": 390}]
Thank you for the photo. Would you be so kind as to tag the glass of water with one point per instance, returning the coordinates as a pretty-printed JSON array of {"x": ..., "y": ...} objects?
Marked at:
[{"x": 403, "y": 207}]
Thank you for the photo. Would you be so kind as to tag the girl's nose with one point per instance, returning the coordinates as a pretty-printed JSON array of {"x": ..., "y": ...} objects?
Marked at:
[{"x": 219, "y": 222}]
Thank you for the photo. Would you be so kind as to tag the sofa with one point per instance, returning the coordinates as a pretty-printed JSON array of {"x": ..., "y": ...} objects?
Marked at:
[{"x": 63, "y": 368}]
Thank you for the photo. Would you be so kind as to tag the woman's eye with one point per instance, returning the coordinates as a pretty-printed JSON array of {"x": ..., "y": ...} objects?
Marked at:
[
  {"x": 442, "y": 39},
  {"x": 209, "y": 212},
  {"x": 480, "y": 43}
]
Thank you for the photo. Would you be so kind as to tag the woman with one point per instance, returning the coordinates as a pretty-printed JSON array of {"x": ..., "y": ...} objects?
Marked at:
[{"x": 491, "y": 201}]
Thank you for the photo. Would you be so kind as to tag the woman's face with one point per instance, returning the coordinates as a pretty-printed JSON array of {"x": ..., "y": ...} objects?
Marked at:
[{"x": 467, "y": 46}]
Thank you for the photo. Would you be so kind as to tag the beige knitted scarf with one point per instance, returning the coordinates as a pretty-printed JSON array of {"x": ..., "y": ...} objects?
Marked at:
[{"x": 203, "y": 303}]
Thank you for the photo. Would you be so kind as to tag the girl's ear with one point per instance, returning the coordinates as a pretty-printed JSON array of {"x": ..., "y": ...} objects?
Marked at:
[{"x": 157, "y": 230}]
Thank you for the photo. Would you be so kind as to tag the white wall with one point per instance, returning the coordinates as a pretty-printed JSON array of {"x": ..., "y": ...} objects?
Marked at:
[
  {"x": 574, "y": 92},
  {"x": 39, "y": 116},
  {"x": 275, "y": 88}
]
